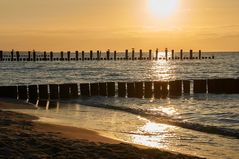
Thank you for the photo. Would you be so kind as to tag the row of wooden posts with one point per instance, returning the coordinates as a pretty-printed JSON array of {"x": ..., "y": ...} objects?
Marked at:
[
  {"x": 156, "y": 89},
  {"x": 32, "y": 56}
]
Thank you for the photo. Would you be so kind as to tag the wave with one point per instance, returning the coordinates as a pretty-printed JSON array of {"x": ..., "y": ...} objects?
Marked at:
[{"x": 159, "y": 118}]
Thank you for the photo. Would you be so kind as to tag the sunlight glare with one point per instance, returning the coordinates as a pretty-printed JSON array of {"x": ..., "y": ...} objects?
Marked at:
[{"x": 162, "y": 8}]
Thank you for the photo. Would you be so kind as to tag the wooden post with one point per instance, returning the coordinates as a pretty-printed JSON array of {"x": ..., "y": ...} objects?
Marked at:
[
  {"x": 44, "y": 56},
  {"x": 68, "y": 55},
  {"x": 172, "y": 55},
  {"x": 108, "y": 55},
  {"x": 166, "y": 54},
  {"x": 85, "y": 89},
  {"x": 157, "y": 51},
  {"x": 200, "y": 54},
  {"x": 102, "y": 89},
  {"x": 150, "y": 54},
  {"x": 115, "y": 55},
  {"x": 32, "y": 93},
  {"x": 51, "y": 56},
  {"x": 186, "y": 87},
  {"x": 126, "y": 54},
  {"x": 73, "y": 90},
  {"x": 82, "y": 55},
  {"x": 148, "y": 91},
  {"x": 29, "y": 56},
  {"x": 54, "y": 91},
  {"x": 18, "y": 55},
  {"x": 64, "y": 91},
  {"x": 140, "y": 54},
  {"x": 139, "y": 89},
  {"x": 121, "y": 89},
  {"x": 34, "y": 55},
  {"x": 22, "y": 92},
  {"x": 77, "y": 55},
  {"x": 1, "y": 55},
  {"x": 199, "y": 86},
  {"x": 191, "y": 54},
  {"x": 111, "y": 89},
  {"x": 43, "y": 92},
  {"x": 181, "y": 54},
  {"x": 130, "y": 90},
  {"x": 157, "y": 89},
  {"x": 175, "y": 88},
  {"x": 98, "y": 55},
  {"x": 132, "y": 54},
  {"x": 160, "y": 89},
  {"x": 12, "y": 55},
  {"x": 62, "y": 56},
  {"x": 94, "y": 89},
  {"x": 91, "y": 54}
]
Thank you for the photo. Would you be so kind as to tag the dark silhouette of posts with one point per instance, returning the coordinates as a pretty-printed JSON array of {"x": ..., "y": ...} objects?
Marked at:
[
  {"x": 108, "y": 54},
  {"x": 186, "y": 86},
  {"x": 166, "y": 54},
  {"x": 157, "y": 51},
  {"x": 191, "y": 54},
  {"x": 85, "y": 89},
  {"x": 126, "y": 54},
  {"x": 64, "y": 91},
  {"x": 139, "y": 89},
  {"x": 51, "y": 56},
  {"x": 22, "y": 92},
  {"x": 148, "y": 91},
  {"x": 140, "y": 54},
  {"x": 77, "y": 55},
  {"x": 91, "y": 54},
  {"x": 44, "y": 56},
  {"x": 32, "y": 92},
  {"x": 102, "y": 89},
  {"x": 43, "y": 91},
  {"x": 160, "y": 89},
  {"x": 133, "y": 53},
  {"x": 172, "y": 55},
  {"x": 199, "y": 86},
  {"x": 121, "y": 89},
  {"x": 157, "y": 89},
  {"x": 8, "y": 91},
  {"x": 181, "y": 54},
  {"x": 62, "y": 56},
  {"x": 29, "y": 56},
  {"x": 94, "y": 89},
  {"x": 73, "y": 90},
  {"x": 82, "y": 55},
  {"x": 200, "y": 55},
  {"x": 68, "y": 55},
  {"x": 98, "y": 55},
  {"x": 1, "y": 55},
  {"x": 150, "y": 54},
  {"x": 175, "y": 88},
  {"x": 34, "y": 55},
  {"x": 130, "y": 90},
  {"x": 54, "y": 91},
  {"x": 18, "y": 55},
  {"x": 115, "y": 55},
  {"x": 111, "y": 89},
  {"x": 12, "y": 55}
]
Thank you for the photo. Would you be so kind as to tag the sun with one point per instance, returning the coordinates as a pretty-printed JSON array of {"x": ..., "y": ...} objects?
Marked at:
[{"x": 162, "y": 8}]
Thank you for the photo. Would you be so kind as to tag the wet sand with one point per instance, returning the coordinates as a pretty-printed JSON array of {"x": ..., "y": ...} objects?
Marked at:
[{"x": 21, "y": 137}]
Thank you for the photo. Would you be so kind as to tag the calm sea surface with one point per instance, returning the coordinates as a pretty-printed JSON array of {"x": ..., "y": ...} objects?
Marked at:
[{"x": 191, "y": 124}]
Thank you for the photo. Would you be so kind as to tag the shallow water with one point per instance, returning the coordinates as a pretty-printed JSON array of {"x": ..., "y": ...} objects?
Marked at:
[{"x": 212, "y": 121}]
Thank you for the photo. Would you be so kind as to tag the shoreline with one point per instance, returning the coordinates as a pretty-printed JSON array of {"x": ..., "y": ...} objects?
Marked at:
[{"x": 90, "y": 142}]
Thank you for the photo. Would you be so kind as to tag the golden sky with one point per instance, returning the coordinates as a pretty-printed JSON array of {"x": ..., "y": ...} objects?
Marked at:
[{"x": 211, "y": 25}]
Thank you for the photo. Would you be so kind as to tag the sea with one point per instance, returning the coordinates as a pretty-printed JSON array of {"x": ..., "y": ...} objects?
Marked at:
[{"x": 205, "y": 125}]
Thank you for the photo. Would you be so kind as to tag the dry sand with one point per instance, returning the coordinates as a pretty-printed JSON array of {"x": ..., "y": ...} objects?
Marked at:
[{"x": 20, "y": 137}]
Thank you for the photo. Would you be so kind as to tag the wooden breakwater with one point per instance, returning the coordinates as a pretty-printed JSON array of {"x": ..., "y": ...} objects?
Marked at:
[
  {"x": 81, "y": 56},
  {"x": 149, "y": 89}
]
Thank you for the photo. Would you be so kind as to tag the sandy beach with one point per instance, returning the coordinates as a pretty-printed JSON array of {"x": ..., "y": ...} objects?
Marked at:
[{"x": 21, "y": 137}]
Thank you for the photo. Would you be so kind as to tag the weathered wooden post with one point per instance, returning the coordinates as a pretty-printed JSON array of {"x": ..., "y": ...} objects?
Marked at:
[
  {"x": 130, "y": 90},
  {"x": 64, "y": 91},
  {"x": 77, "y": 55},
  {"x": 98, "y": 55},
  {"x": 150, "y": 54},
  {"x": 166, "y": 53},
  {"x": 108, "y": 54},
  {"x": 102, "y": 89},
  {"x": 111, "y": 89},
  {"x": 132, "y": 54},
  {"x": 82, "y": 55},
  {"x": 148, "y": 91},
  {"x": 157, "y": 89},
  {"x": 157, "y": 51},
  {"x": 12, "y": 55},
  {"x": 172, "y": 55},
  {"x": 44, "y": 56},
  {"x": 43, "y": 91},
  {"x": 160, "y": 89},
  {"x": 22, "y": 92},
  {"x": 186, "y": 86},
  {"x": 32, "y": 93},
  {"x": 68, "y": 55},
  {"x": 199, "y": 86},
  {"x": 175, "y": 88},
  {"x": 139, "y": 89},
  {"x": 126, "y": 54},
  {"x": 1, "y": 55},
  {"x": 181, "y": 54},
  {"x": 200, "y": 55},
  {"x": 191, "y": 54},
  {"x": 73, "y": 90},
  {"x": 85, "y": 89},
  {"x": 115, "y": 55},
  {"x": 140, "y": 54},
  {"x": 29, "y": 56},
  {"x": 34, "y": 55},
  {"x": 62, "y": 56},
  {"x": 91, "y": 54},
  {"x": 94, "y": 89},
  {"x": 54, "y": 91},
  {"x": 121, "y": 89},
  {"x": 51, "y": 56},
  {"x": 18, "y": 55}
]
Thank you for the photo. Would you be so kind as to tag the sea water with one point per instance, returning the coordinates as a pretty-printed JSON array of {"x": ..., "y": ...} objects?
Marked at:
[{"x": 204, "y": 125}]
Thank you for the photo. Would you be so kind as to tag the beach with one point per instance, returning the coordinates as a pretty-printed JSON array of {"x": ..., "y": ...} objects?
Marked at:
[{"x": 21, "y": 137}]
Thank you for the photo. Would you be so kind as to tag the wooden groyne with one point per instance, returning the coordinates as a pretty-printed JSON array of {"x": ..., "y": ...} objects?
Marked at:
[
  {"x": 74, "y": 56},
  {"x": 148, "y": 89}
]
